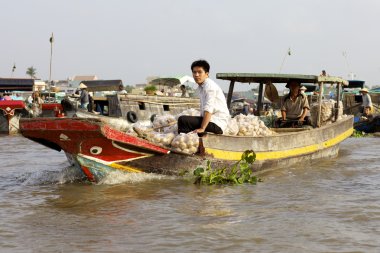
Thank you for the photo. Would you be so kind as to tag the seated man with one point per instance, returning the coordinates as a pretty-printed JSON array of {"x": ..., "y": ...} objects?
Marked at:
[
  {"x": 295, "y": 107},
  {"x": 214, "y": 111}
]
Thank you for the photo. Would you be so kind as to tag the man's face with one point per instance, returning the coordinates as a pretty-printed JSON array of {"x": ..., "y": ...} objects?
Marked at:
[
  {"x": 294, "y": 86},
  {"x": 199, "y": 75}
]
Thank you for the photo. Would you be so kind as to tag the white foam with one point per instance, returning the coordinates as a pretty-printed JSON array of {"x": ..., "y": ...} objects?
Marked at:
[{"x": 117, "y": 177}]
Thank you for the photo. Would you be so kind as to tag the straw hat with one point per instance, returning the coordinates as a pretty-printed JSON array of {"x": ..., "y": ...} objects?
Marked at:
[
  {"x": 82, "y": 86},
  {"x": 303, "y": 88},
  {"x": 291, "y": 81},
  {"x": 364, "y": 90}
]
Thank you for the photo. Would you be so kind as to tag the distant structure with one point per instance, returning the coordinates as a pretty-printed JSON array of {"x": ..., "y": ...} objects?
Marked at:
[{"x": 76, "y": 80}]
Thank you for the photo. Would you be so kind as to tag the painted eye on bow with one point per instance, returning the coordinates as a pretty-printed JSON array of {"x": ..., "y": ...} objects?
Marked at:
[{"x": 96, "y": 150}]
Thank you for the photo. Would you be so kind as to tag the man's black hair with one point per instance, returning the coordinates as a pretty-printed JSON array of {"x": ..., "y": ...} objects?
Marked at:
[{"x": 201, "y": 63}]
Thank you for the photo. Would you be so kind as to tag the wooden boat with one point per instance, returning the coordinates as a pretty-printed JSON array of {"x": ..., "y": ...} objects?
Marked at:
[
  {"x": 134, "y": 107},
  {"x": 12, "y": 110},
  {"x": 97, "y": 148},
  {"x": 369, "y": 125}
]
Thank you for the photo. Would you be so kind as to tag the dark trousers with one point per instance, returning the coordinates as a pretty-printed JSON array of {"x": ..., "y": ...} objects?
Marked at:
[
  {"x": 187, "y": 124},
  {"x": 293, "y": 123}
]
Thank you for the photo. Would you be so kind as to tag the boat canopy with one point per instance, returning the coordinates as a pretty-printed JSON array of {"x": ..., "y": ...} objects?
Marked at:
[
  {"x": 172, "y": 81},
  {"x": 102, "y": 85},
  {"x": 16, "y": 84},
  {"x": 267, "y": 80},
  {"x": 355, "y": 84},
  {"x": 278, "y": 78}
]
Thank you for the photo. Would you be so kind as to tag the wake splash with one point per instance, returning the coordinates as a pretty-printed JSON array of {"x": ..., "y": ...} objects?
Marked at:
[
  {"x": 71, "y": 174},
  {"x": 45, "y": 177},
  {"x": 118, "y": 177}
]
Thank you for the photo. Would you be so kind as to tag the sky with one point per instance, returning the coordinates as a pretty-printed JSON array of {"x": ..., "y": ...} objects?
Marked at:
[{"x": 131, "y": 40}]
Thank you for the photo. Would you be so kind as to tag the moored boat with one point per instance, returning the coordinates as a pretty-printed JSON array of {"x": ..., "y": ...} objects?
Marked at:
[{"x": 97, "y": 148}]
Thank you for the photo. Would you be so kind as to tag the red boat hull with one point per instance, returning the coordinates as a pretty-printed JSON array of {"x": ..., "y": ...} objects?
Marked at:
[{"x": 92, "y": 145}]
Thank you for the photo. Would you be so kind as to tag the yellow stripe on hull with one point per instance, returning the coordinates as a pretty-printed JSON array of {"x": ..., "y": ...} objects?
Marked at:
[
  {"x": 124, "y": 167},
  {"x": 272, "y": 155}
]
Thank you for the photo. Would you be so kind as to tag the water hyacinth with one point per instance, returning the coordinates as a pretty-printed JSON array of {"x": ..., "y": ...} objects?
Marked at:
[{"x": 239, "y": 173}]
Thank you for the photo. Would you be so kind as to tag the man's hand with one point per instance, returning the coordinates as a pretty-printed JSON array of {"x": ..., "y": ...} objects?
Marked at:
[{"x": 199, "y": 130}]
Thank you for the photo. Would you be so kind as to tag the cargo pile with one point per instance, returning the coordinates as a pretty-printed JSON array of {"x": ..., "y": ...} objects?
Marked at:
[{"x": 327, "y": 112}]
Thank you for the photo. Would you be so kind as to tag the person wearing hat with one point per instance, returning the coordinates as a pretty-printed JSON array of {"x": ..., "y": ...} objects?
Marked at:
[
  {"x": 367, "y": 102},
  {"x": 84, "y": 100},
  {"x": 295, "y": 106},
  {"x": 303, "y": 89}
]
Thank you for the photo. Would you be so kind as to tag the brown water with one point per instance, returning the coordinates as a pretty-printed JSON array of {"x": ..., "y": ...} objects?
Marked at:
[{"x": 330, "y": 206}]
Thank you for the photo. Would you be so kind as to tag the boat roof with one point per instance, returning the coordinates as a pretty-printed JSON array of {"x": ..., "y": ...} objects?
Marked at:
[
  {"x": 102, "y": 85},
  {"x": 16, "y": 84},
  {"x": 278, "y": 78},
  {"x": 356, "y": 84},
  {"x": 172, "y": 80}
]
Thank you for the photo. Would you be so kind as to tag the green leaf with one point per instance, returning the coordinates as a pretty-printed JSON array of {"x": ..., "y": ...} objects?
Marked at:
[{"x": 198, "y": 171}]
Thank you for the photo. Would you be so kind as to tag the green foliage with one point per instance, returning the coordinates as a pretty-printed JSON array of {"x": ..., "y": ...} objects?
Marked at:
[
  {"x": 150, "y": 88},
  {"x": 358, "y": 134},
  {"x": 239, "y": 173},
  {"x": 31, "y": 72},
  {"x": 128, "y": 88}
]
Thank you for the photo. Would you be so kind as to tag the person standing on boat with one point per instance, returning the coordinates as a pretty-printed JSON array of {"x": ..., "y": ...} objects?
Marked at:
[
  {"x": 184, "y": 94},
  {"x": 213, "y": 106},
  {"x": 84, "y": 100},
  {"x": 295, "y": 106},
  {"x": 367, "y": 101},
  {"x": 121, "y": 90}
]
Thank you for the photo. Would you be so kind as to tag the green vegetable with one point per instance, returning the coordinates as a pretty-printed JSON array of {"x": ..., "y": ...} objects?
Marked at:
[{"x": 239, "y": 173}]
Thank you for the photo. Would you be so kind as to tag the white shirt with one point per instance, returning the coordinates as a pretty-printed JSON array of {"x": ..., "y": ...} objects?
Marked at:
[
  {"x": 367, "y": 102},
  {"x": 213, "y": 101}
]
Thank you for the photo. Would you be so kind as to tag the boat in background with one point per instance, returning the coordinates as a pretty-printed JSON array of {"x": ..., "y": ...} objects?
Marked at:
[
  {"x": 133, "y": 107},
  {"x": 97, "y": 148},
  {"x": 369, "y": 124},
  {"x": 12, "y": 110}
]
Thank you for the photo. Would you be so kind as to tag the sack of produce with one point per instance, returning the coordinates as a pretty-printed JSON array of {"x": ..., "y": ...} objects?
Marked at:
[
  {"x": 186, "y": 143},
  {"x": 327, "y": 112},
  {"x": 232, "y": 127},
  {"x": 161, "y": 139},
  {"x": 189, "y": 112},
  {"x": 252, "y": 126},
  {"x": 171, "y": 129},
  {"x": 163, "y": 121}
]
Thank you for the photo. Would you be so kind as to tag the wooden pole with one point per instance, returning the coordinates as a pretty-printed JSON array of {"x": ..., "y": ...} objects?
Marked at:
[
  {"x": 51, "y": 55},
  {"x": 338, "y": 88},
  {"x": 229, "y": 95},
  {"x": 320, "y": 104},
  {"x": 260, "y": 99}
]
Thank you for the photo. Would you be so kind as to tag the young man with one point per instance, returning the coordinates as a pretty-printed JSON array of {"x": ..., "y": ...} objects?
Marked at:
[{"x": 214, "y": 111}]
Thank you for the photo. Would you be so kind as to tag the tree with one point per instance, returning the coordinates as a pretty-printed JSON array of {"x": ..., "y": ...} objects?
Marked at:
[
  {"x": 128, "y": 88},
  {"x": 31, "y": 72}
]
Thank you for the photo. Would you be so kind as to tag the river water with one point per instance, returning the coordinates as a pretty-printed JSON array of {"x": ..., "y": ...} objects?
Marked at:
[{"x": 330, "y": 206}]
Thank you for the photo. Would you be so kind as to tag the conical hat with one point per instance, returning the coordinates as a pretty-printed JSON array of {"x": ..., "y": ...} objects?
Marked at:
[
  {"x": 82, "y": 86},
  {"x": 271, "y": 93}
]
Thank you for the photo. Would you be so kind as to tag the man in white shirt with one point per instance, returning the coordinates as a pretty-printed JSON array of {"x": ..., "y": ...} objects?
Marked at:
[
  {"x": 214, "y": 111},
  {"x": 367, "y": 102}
]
